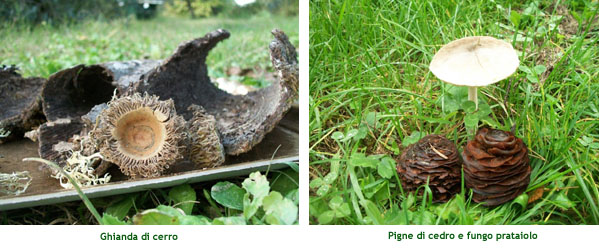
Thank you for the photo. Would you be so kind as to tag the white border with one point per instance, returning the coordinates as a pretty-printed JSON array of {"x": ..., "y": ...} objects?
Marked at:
[{"x": 304, "y": 136}]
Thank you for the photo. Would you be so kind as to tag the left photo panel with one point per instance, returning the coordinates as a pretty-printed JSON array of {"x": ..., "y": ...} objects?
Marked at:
[{"x": 149, "y": 112}]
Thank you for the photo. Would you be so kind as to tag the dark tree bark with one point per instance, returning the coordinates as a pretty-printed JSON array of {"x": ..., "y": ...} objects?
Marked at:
[{"x": 20, "y": 103}]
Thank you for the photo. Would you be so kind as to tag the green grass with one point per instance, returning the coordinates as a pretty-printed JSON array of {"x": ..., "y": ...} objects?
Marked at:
[
  {"x": 371, "y": 94},
  {"x": 43, "y": 50}
]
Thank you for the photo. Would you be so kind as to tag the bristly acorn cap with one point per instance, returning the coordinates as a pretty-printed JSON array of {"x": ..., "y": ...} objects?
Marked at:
[
  {"x": 140, "y": 134},
  {"x": 475, "y": 61}
]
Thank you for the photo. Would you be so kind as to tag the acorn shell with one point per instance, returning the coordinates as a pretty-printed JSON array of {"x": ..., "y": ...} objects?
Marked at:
[
  {"x": 140, "y": 134},
  {"x": 204, "y": 149}
]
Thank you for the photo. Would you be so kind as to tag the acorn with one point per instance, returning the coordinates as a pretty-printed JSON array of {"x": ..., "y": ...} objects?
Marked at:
[
  {"x": 140, "y": 134},
  {"x": 435, "y": 159},
  {"x": 496, "y": 166},
  {"x": 204, "y": 147}
]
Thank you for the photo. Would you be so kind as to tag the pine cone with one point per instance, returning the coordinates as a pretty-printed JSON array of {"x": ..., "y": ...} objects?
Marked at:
[
  {"x": 434, "y": 157},
  {"x": 496, "y": 166}
]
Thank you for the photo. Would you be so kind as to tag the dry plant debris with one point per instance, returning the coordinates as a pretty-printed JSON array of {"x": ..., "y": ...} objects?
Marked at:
[
  {"x": 15, "y": 183},
  {"x": 79, "y": 167}
]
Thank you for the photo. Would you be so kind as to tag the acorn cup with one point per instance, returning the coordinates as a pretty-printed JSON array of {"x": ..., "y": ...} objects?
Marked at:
[
  {"x": 433, "y": 158},
  {"x": 496, "y": 166},
  {"x": 140, "y": 134}
]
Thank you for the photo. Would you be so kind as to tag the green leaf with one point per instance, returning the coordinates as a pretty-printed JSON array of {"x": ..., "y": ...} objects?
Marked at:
[
  {"x": 471, "y": 120},
  {"x": 351, "y": 133},
  {"x": 408, "y": 202},
  {"x": 184, "y": 196},
  {"x": 343, "y": 211},
  {"x": 284, "y": 180},
  {"x": 563, "y": 201},
  {"x": 170, "y": 210},
  {"x": 337, "y": 135},
  {"x": 374, "y": 188},
  {"x": 279, "y": 211},
  {"x": 324, "y": 189},
  {"x": 256, "y": 185},
  {"x": 386, "y": 167},
  {"x": 469, "y": 106},
  {"x": 372, "y": 211},
  {"x": 371, "y": 119},
  {"x": 228, "y": 195},
  {"x": 525, "y": 69},
  {"x": 326, "y": 217},
  {"x": 158, "y": 216},
  {"x": 483, "y": 111},
  {"x": 427, "y": 218},
  {"x": 450, "y": 104},
  {"x": 234, "y": 220},
  {"x": 521, "y": 200},
  {"x": 335, "y": 163},
  {"x": 539, "y": 69},
  {"x": 120, "y": 209},
  {"x": 362, "y": 133},
  {"x": 193, "y": 220},
  {"x": 515, "y": 18},
  {"x": 360, "y": 160},
  {"x": 395, "y": 147},
  {"x": 458, "y": 92},
  {"x": 413, "y": 138},
  {"x": 250, "y": 207},
  {"x": 532, "y": 78},
  {"x": 336, "y": 202},
  {"x": 108, "y": 219},
  {"x": 316, "y": 182},
  {"x": 330, "y": 177},
  {"x": 293, "y": 165},
  {"x": 293, "y": 195}
]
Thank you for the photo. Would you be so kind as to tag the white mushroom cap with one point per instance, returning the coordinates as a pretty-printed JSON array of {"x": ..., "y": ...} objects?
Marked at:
[{"x": 475, "y": 61}]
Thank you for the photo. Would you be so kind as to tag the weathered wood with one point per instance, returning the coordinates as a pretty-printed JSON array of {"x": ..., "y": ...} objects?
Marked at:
[
  {"x": 52, "y": 133},
  {"x": 73, "y": 92},
  {"x": 242, "y": 120},
  {"x": 20, "y": 103}
]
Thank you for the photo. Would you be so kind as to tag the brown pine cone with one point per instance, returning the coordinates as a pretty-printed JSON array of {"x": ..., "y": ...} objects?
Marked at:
[
  {"x": 436, "y": 158},
  {"x": 496, "y": 166}
]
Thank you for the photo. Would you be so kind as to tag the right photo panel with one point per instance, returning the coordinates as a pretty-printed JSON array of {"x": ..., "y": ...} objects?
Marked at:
[{"x": 454, "y": 112}]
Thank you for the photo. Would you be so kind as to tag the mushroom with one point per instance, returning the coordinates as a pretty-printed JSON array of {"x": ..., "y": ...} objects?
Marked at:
[{"x": 475, "y": 61}]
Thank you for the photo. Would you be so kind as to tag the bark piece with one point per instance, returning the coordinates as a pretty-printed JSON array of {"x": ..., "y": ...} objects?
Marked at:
[
  {"x": 435, "y": 159},
  {"x": 20, "y": 103},
  {"x": 496, "y": 166},
  {"x": 241, "y": 120},
  {"x": 53, "y": 133},
  {"x": 73, "y": 92}
]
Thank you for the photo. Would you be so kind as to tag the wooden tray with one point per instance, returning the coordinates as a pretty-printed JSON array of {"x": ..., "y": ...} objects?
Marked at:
[{"x": 279, "y": 146}]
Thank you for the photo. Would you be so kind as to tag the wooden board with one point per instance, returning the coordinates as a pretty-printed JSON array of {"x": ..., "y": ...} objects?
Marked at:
[{"x": 279, "y": 146}]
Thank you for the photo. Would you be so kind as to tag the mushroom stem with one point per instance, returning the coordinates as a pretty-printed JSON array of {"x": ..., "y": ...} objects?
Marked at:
[{"x": 473, "y": 95}]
